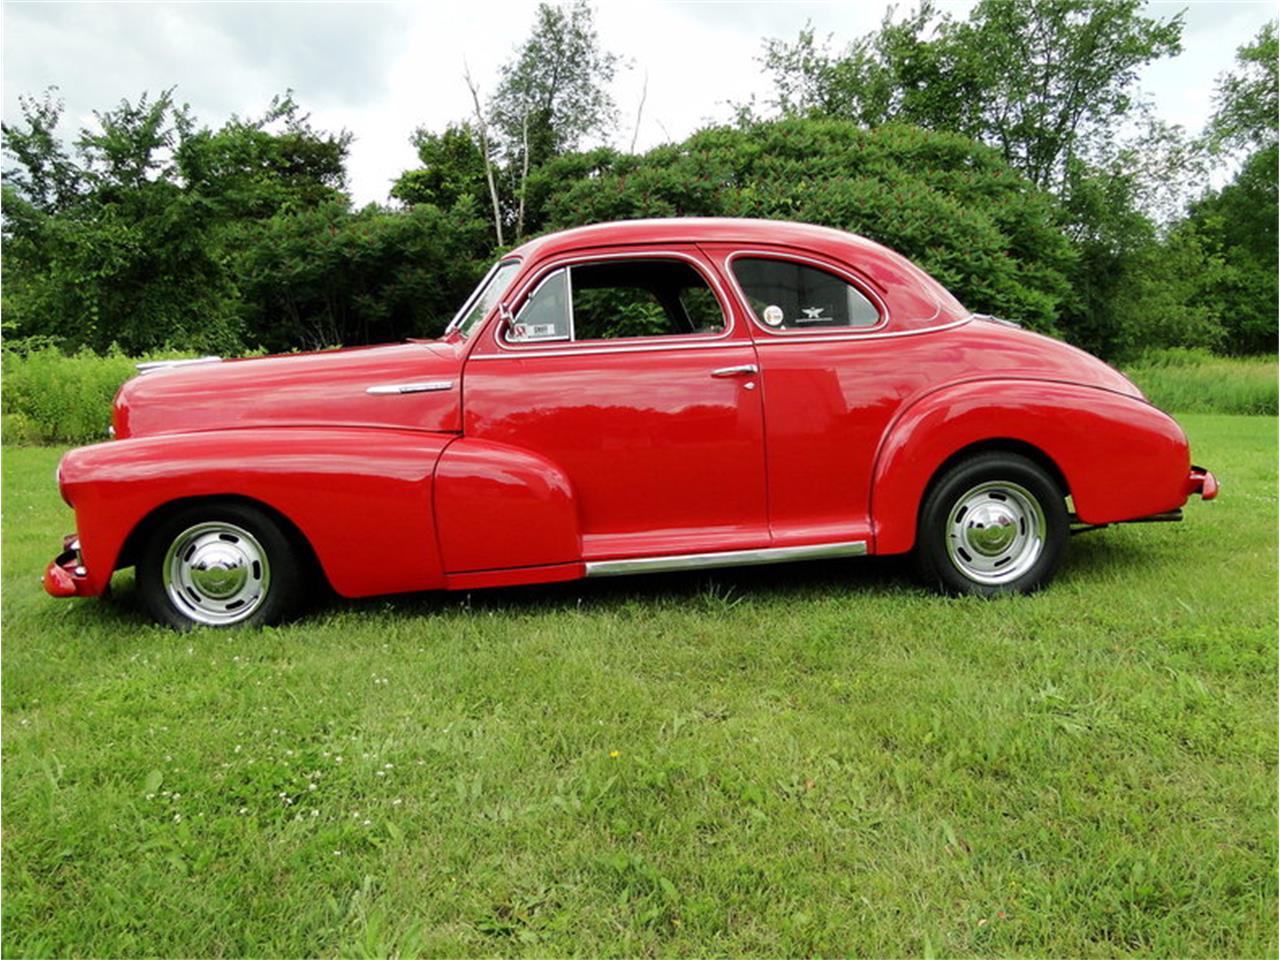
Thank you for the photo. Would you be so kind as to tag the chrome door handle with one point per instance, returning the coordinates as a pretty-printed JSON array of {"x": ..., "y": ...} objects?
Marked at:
[
  {"x": 429, "y": 386},
  {"x": 743, "y": 370}
]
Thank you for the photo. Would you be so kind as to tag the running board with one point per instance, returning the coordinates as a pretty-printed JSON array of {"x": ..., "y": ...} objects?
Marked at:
[{"x": 728, "y": 558}]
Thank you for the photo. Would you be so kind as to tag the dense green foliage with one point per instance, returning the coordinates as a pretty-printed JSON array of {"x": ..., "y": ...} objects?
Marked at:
[
  {"x": 805, "y": 760},
  {"x": 984, "y": 148},
  {"x": 157, "y": 233},
  {"x": 953, "y": 206},
  {"x": 1049, "y": 83}
]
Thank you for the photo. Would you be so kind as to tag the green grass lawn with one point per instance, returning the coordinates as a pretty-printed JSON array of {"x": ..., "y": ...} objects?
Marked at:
[{"x": 792, "y": 760}]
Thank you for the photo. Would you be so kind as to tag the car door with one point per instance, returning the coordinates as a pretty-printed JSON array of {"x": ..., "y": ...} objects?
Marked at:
[
  {"x": 630, "y": 371},
  {"x": 829, "y": 384}
]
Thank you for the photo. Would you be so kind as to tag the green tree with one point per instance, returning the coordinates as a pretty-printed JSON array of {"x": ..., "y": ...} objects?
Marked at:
[
  {"x": 451, "y": 167},
  {"x": 327, "y": 276},
  {"x": 1033, "y": 78},
  {"x": 129, "y": 238},
  {"x": 1237, "y": 223},
  {"x": 555, "y": 89}
]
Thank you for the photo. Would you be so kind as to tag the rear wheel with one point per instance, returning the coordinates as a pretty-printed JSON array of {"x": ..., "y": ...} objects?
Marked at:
[
  {"x": 219, "y": 565},
  {"x": 993, "y": 524}
]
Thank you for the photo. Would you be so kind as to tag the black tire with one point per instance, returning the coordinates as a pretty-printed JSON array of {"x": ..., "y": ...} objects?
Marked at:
[
  {"x": 220, "y": 565},
  {"x": 993, "y": 524}
]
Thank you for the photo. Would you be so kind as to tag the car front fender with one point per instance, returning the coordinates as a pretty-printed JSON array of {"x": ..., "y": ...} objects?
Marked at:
[{"x": 361, "y": 497}]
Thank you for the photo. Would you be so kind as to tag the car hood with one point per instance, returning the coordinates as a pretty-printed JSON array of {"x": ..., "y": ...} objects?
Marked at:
[{"x": 329, "y": 388}]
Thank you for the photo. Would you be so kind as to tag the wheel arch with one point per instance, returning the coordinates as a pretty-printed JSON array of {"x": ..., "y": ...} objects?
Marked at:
[
  {"x": 1000, "y": 445},
  {"x": 132, "y": 547}
]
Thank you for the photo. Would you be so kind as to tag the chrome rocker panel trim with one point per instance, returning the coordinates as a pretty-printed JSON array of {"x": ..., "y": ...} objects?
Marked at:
[{"x": 728, "y": 558}]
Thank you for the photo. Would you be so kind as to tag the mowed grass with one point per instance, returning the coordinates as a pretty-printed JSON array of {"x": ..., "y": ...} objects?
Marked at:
[{"x": 813, "y": 759}]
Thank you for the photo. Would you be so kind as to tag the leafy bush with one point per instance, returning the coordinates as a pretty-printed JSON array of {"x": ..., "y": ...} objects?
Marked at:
[
  {"x": 1196, "y": 381},
  {"x": 950, "y": 204}
]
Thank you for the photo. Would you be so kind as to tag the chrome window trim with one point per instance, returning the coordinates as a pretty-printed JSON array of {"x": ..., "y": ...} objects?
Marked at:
[
  {"x": 669, "y": 342},
  {"x": 475, "y": 294},
  {"x": 590, "y": 351},
  {"x": 862, "y": 286},
  {"x": 725, "y": 558},
  {"x": 890, "y": 335}
]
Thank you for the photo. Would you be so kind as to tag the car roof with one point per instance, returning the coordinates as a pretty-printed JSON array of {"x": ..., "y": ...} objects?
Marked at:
[{"x": 699, "y": 230}]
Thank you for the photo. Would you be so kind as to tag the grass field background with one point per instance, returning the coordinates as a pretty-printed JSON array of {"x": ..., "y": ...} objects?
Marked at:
[{"x": 792, "y": 760}]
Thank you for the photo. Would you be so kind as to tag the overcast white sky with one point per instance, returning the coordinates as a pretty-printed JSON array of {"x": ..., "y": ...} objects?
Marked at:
[{"x": 382, "y": 69}]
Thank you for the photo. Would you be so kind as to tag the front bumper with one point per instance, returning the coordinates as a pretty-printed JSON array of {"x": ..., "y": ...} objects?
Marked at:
[
  {"x": 1201, "y": 481},
  {"x": 66, "y": 576}
]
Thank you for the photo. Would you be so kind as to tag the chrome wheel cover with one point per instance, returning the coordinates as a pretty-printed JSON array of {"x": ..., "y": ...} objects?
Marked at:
[
  {"x": 995, "y": 532},
  {"x": 216, "y": 573}
]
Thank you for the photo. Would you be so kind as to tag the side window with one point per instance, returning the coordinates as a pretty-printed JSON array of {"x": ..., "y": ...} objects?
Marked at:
[
  {"x": 545, "y": 315},
  {"x": 619, "y": 299},
  {"x": 788, "y": 296}
]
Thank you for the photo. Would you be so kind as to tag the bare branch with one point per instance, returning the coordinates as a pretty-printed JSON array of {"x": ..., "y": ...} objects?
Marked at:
[
  {"x": 644, "y": 93},
  {"x": 524, "y": 170},
  {"x": 483, "y": 132}
]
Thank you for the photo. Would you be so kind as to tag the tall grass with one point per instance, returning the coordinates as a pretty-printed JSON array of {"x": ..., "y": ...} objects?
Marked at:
[
  {"x": 1195, "y": 381},
  {"x": 49, "y": 397}
]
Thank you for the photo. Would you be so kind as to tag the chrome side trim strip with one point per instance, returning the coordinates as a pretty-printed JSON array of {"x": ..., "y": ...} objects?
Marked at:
[
  {"x": 727, "y": 558},
  {"x": 890, "y": 335},
  {"x": 430, "y": 386},
  {"x": 151, "y": 366}
]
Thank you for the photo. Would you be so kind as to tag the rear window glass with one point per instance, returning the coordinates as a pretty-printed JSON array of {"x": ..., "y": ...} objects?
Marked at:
[{"x": 788, "y": 296}]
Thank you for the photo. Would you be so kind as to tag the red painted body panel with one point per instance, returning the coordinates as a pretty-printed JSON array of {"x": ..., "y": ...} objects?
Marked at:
[
  {"x": 362, "y": 498},
  {"x": 523, "y": 463}
]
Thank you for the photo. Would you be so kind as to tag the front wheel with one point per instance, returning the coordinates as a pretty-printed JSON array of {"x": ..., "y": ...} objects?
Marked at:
[
  {"x": 219, "y": 565},
  {"x": 993, "y": 524}
]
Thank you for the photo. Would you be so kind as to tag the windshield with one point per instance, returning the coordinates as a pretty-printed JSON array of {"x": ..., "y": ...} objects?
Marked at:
[{"x": 491, "y": 288}]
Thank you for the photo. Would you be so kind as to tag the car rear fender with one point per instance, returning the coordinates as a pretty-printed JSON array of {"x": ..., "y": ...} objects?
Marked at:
[
  {"x": 361, "y": 497},
  {"x": 1120, "y": 457}
]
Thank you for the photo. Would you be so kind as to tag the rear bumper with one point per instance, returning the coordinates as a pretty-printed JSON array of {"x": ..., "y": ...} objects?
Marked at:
[
  {"x": 1201, "y": 481},
  {"x": 66, "y": 576}
]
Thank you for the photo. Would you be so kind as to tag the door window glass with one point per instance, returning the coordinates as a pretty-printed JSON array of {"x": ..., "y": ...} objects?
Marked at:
[{"x": 620, "y": 299}]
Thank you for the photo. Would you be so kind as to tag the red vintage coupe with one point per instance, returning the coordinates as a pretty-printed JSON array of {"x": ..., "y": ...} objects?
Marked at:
[{"x": 622, "y": 398}]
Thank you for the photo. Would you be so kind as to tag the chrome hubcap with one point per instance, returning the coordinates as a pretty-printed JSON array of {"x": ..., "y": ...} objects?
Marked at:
[
  {"x": 995, "y": 532},
  {"x": 216, "y": 573}
]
